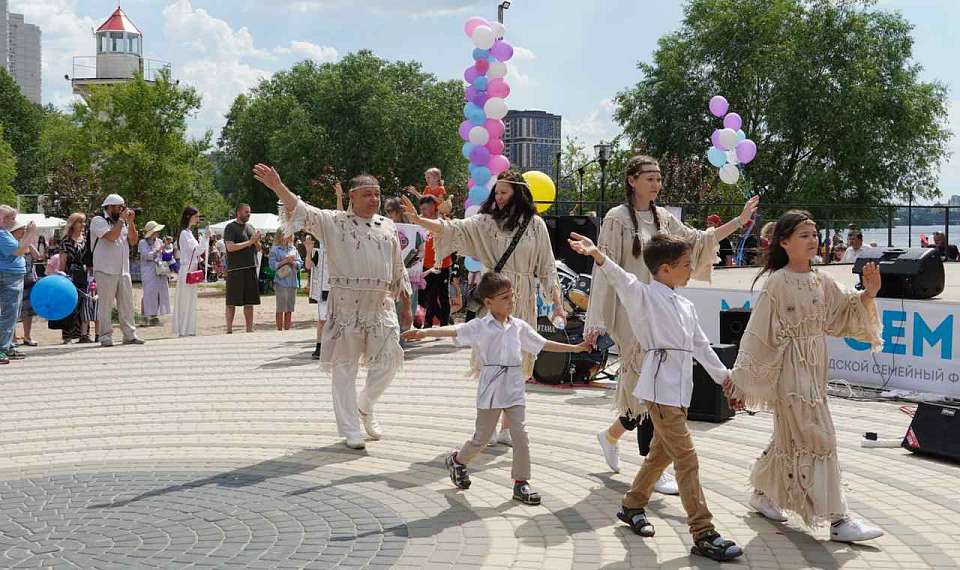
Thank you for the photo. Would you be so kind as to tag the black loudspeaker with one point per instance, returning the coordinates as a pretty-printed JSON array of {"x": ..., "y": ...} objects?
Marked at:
[
  {"x": 935, "y": 430},
  {"x": 559, "y": 228},
  {"x": 732, "y": 324},
  {"x": 708, "y": 403},
  {"x": 915, "y": 273}
]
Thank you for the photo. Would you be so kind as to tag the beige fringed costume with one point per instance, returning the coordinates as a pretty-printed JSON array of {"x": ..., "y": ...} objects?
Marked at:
[
  {"x": 366, "y": 274},
  {"x": 606, "y": 315},
  {"x": 782, "y": 366},
  {"x": 531, "y": 264}
]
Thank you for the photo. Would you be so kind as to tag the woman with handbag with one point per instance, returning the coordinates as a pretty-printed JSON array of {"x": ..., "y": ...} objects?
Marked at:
[
  {"x": 153, "y": 275},
  {"x": 286, "y": 265},
  {"x": 190, "y": 275},
  {"x": 72, "y": 248}
]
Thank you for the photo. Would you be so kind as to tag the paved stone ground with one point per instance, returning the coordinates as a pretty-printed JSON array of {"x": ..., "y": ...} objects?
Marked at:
[{"x": 222, "y": 452}]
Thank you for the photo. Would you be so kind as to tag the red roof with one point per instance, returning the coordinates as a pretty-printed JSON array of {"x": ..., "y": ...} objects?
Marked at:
[{"x": 119, "y": 22}]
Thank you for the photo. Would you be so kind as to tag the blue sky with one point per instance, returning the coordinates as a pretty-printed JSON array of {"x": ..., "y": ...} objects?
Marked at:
[{"x": 573, "y": 56}]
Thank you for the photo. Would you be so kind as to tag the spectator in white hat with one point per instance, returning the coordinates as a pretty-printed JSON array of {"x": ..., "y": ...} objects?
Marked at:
[
  {"x": 15, "y": 239},
  {"x": 112, "y": 232}
]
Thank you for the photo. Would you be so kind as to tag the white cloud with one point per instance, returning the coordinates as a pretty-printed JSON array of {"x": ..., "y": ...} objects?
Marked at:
[
  {"x": 412, "y": 8},
  {"x": 596, "y": 126},
  {"x": 516, "y": 78},
  {"x": 321, "y": 54},
  {"x": 950, "y": 172},
  {"x": 205, "y": 34}
]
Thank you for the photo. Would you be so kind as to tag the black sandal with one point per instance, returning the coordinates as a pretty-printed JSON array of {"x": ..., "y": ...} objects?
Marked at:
[
  {"x": 713, "y": 546},
  {"x": 523, "y": 493},
  {"x": 637, "y": 520}
]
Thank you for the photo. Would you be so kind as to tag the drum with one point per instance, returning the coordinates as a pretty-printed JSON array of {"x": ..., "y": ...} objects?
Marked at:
[
  {"x": 568, "y": 277},
  {"x": 566, "y": 367},
  {"x": 579, "y": 294}
]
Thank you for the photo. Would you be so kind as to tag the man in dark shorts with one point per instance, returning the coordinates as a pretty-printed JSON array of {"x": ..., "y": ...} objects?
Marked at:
[{"x": 243, "y": 247}]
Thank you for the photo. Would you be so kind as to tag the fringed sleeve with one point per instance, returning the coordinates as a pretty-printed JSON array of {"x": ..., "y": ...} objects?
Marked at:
[
  {"x": 602, "y": 308},
  {"x": 849, "y": 315},
  {"x": 704, "y": 245},
  {"x": 545, "y": 268},
  {"x": 760, "y": 359},
  {"x": 465, "y": 237},
  {"x": 308, "y": 218}
]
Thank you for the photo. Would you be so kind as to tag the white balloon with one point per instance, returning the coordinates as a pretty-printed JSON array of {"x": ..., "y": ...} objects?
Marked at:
[
  {"x": 497, "y": 70},
  {"x": 483, "y": 37},
  {"x": 471, "y": 211},
  {"x": 495, "y": 108},
  {"x": 729, "y": 174},
  {"x": 727, "y": 139},
  {"x": 479, "y": 135},
  {"x": 498, "y": 29},
  {"x": 731, "y": 156}
]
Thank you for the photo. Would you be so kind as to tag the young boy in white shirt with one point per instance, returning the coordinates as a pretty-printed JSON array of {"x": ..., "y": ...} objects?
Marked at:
[
  {"x": 500, "y": 340},
  {"x": 669, "y": 332}
]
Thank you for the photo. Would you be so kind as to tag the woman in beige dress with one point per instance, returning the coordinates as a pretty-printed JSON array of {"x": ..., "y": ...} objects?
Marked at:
[
  {"x": 782, "y": 367},
  {"x": 624, "y": 231}
]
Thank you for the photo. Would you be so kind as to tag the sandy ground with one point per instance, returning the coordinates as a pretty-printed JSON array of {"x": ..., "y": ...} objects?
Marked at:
[{"x": 211, "y": 319}]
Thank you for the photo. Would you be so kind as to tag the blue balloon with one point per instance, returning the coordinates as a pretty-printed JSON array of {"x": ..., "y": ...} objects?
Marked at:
[
  {"x": 492, "y": 59},
  {"x": 478, "y": 194},
  {"x": 53, "y": 297},
  {"x": 467, "y": 149},
  {"x": 481, "y": 82},
  {"x": 481, "y": 175},
  {"x": 479, "y": 54},
  {"x": 716, "y": 157},
  {"x": 472, "y": 264},
  {"x": 741, "y": 135},
  {"x": 471, "y": 109}
]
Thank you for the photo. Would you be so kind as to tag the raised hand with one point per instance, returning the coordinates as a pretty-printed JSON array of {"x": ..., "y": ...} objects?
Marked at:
[
  {"x": 338, "y": 188},
  {"x": 268, "y": 176},
  {"x": 749, "y": 209},
  {"x": 408, "y": 208},
  {"x": 582, "y": 244},
  {"x": 871, "y": 279}
]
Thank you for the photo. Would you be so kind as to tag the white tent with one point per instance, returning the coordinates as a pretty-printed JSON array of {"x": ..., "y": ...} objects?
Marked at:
[
  {"x": 46, "y": 225},
  {"x": 266, "y": 223}
]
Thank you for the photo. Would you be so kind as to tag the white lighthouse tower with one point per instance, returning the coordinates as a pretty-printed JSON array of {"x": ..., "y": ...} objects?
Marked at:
[{"x": 119, "y": 56}]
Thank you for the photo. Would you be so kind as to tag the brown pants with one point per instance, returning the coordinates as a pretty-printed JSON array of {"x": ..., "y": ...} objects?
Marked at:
[
  {"x": 487, "y": 424},
  {"x": 672, "y": 444}
]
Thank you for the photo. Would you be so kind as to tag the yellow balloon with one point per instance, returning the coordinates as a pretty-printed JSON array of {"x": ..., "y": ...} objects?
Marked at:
[{"x": 542, "y": 189}]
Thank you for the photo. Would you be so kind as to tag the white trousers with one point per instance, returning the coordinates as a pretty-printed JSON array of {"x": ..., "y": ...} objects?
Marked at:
[
  {"x": 346, "y": 404},
  {"x": 119, "y": 287}
]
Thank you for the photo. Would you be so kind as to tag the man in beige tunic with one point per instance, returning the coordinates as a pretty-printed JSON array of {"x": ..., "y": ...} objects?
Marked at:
[{"x": 366, "y": 276}]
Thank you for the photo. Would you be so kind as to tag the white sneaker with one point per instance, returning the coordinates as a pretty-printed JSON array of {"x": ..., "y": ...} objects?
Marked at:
[
  {"x": 504, "y": 438},
  {"x": 763, "y": 505},
  {"x": 853, "y": 530},
  {"x": 667, "y": 484},
  {"x": 611, "y": 453},
  {"x": 372, "y": 426},
  {"x": 355, "y": 442}
]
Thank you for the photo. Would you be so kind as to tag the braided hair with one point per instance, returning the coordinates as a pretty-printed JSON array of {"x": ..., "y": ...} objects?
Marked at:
[{"x": 635, "y": 167}]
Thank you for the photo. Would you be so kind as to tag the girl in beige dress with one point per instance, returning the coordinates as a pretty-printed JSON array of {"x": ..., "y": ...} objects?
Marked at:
[
  {"x": 625, "y": 230},
  {"x": 782, "y": 367}
]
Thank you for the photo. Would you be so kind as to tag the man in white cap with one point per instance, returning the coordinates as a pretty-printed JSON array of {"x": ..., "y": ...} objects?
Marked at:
[{"x": 111, "y": 235}]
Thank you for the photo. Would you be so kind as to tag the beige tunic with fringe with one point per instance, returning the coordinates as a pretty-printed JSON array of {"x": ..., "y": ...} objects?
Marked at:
[
  {"x": 607, "y": 315},
  {"x": 530, "y": 265},
  {"x": 782, "y": 367},
  {"x": 366, "y": 274}
]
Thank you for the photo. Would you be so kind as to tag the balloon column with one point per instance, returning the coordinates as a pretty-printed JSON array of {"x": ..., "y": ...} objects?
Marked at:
[
  {"x": 482, "y": 130},
  {"x": 731, "y": 147}
]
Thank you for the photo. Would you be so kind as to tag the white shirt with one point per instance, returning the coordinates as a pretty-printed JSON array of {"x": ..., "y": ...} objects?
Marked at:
[
  {"x": 320, "y": 274},
  {"x": 499, "y": 347},
  {"x": 850, "y": 255},
  {"x": 111, "y": 257},
  {"x": 190, "y": 252},
  {"x": 662, "y": 319}
]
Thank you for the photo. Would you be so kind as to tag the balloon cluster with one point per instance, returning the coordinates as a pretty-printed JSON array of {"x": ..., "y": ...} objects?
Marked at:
[
  {"x": 731, "y": 147},
  {"x": 483, "y": 129}
]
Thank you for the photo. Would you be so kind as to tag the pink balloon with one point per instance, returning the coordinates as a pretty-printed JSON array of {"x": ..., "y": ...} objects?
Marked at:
[
  {"x": 719, "y": 106},
  {"x": 498, "y": 88},
  {"x": 470, "y": 184},
  {"x": 731, "y": 121},
  {"x": 471, "y": 74},
  {"x": 495, "y": 146},
  {"x": 746, "y": 151},
  {"x": 482, "y": 66},
  {"x": 472, "y": 25},
  {"x": 498, "y": 164},
  {"x": 495, "y": 127},
  {"x": 501, "y": 50},
  {"x": 464, "y": 130}
]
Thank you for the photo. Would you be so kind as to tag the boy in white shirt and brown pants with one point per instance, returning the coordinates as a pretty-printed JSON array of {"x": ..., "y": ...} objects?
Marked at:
[
  {"x": 668, "y": 330},
  {"x": 500, "y": 340}
]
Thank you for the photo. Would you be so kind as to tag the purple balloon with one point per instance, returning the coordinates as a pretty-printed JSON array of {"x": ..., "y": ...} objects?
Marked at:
[
  {"x": 502, "y": 50},
  {"x": 483, "y": 65},
  {"x": 719, "y": 106},
  {"x": 465, "y": 130},
  {"x": 746, "y": 151},
  {"x": 480, "y": 98},
  {"x": 480, "y": 155},
  {"x": 495, "y": 127},
  {"x": 732, "y": 121},
  {"x": 470, "y": 93},
  {"x": 495, "y": 145},
  {"x": 715, "y": 138},
  {"x": 471, "y": 74},
  {"x": 498, "y": 88}
]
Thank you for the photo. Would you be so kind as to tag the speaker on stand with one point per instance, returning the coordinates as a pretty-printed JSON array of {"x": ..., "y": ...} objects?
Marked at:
[
  {"x": 914, "y": 273},
  {"x": 559, "y": 229},
  {"x": 732, "y": 324},
  {"x": 708, "y": 404}
]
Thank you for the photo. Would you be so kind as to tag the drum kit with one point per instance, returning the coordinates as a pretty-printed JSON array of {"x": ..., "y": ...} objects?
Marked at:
[{"x": 571, "y": 368}]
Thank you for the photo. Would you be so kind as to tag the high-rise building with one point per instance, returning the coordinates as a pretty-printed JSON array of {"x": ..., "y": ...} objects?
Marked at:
[
  {"x": 20, "y": 52},
  {"x": 532, "y": 140},
  {"x": 954, "y": 200}
]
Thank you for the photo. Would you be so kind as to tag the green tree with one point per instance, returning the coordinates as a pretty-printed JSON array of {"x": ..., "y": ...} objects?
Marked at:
[
  {"x": 21, "y": 129},
  {"x": 320, "y": 122},
  {"x": 827, "y": 89},
  {"x": 8, "y": 172}
]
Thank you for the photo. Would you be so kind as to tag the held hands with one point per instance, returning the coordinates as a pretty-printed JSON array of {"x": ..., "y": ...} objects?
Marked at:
[
  {"x": 584, "y": 346},
  {"x": 413, "y": 334},
  {"x": 267, "y": 176},
  {"x": 749, "y": 209},
  {"x": 871, "y": 280},
  {"x": 591, "y": 337},
  {"x": 736, "y": 404}
]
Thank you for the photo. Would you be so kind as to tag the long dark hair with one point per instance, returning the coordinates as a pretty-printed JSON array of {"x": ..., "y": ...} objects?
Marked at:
[
  {"x": 776, "y": 257},
  {"x": 519, "y": 209},
  {"x": 636, "y": 166},
  {"x": 188, "y": 213}
]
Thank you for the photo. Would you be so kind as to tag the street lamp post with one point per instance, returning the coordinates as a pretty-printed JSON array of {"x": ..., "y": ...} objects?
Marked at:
[
  {"x": 603, "y": 157},
  {"x": 505, "y": 5}
]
